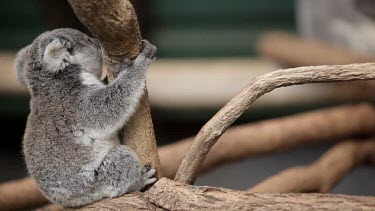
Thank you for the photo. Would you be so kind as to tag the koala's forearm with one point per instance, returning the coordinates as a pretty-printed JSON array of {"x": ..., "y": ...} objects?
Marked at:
[{"x": 115, "y": 103}]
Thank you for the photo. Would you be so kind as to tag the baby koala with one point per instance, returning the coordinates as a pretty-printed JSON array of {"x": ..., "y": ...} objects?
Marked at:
[{"x": 71, "y": 143}]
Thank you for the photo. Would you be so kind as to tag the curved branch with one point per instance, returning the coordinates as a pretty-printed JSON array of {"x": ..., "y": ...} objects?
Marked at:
[
  {"x": 217, "y": 125},
  {"x": 322, "y": 175},
  {"x": 115, "y": 24}
]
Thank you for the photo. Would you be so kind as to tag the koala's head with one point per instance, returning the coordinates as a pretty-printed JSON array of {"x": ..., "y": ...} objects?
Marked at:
[{"x": 53, "y": 50}]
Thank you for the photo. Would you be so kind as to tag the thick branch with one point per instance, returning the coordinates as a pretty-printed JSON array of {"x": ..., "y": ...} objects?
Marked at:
[
  {"x": 322, "y": 175},
  {"x": 170, "y": 195},
  {"x": 217, "y": 125},
  {"x": 294, "y": 51},
  {"x": 115, "y": 24},
  {"x": 278, "y": 134}
]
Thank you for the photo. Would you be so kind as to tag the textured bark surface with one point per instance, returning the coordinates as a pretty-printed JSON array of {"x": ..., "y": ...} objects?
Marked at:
[
  {"x": 217, "y": 125},
  {"x": 322, "y": 175},
  {"x": 294, "y": 51},
  {"x": 244, "y": 141},
  {"x": 115, "y": 24},
  {"x": 170, "y": 195},
  {"x": 132, "y": 201}
]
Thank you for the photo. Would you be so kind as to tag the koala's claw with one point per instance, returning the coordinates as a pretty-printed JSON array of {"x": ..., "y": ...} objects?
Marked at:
[
  {"x": 148, "y": 49},
  {"x": 148, "y": 175},
  {"x": 127, "y": 62},
  {"x": 146, "y": 168},
  {"x": 150, "y": 181},
  {"x": 123, "y": 65}
]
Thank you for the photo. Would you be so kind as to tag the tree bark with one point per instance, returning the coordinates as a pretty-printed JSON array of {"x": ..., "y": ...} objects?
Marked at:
[
  {"x": 170, "y": 195},
  {"x": 217, "y": 125},
  {"x": 322, "y": 175},
  {"x": 115, "y": 24}
]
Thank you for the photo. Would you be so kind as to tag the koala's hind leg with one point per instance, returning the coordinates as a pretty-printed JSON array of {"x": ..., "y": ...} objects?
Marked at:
[{"x": 120, "y": 173}]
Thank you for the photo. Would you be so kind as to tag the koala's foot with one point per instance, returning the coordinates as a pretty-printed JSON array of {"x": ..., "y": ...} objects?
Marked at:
[{"x": 148, "y": 175}]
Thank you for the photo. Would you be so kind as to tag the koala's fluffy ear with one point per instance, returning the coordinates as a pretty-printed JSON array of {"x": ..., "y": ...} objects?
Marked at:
[
  {"x": 21, "y": 59},
  {"x": 56, "y": 56}
]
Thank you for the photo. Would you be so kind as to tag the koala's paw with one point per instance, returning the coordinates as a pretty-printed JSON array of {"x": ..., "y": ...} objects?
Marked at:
[
  {"x": 123, "y": 65},
  {"x": 148, "y": 175},
  {"x": 148, "y": 50},
  {"x": 146, "y": 57}
]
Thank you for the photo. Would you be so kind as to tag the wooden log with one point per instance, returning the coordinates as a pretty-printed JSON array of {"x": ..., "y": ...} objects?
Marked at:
[{"x": 170, "y": 195}]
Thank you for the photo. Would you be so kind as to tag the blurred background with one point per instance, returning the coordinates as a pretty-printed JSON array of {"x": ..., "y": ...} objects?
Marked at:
[{"x": 207, "y": 51}]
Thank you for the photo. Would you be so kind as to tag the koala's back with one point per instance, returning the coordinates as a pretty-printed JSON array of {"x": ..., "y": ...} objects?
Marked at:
[{"x": 58, "y": 147}]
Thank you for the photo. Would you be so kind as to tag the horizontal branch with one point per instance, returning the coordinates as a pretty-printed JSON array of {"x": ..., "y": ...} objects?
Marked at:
[
  {"x": 278, "y": 134},
  {"x": 170, "y": 195},
  {"x": 322, "y": 175},
  {"x": 217, "y": 125},
  {"x": 294, "y": 51},
  {"x": 20, "y": 194}
]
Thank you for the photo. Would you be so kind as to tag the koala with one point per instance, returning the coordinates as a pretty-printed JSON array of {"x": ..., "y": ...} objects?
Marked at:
[{"x": 71, "y": 143}]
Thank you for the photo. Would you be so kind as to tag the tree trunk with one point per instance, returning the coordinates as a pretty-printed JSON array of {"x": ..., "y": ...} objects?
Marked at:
[{"x": 115, "y": 24}]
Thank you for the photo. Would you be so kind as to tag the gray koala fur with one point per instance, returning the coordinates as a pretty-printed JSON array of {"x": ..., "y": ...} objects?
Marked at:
[{"x": 71, "y": 143}]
